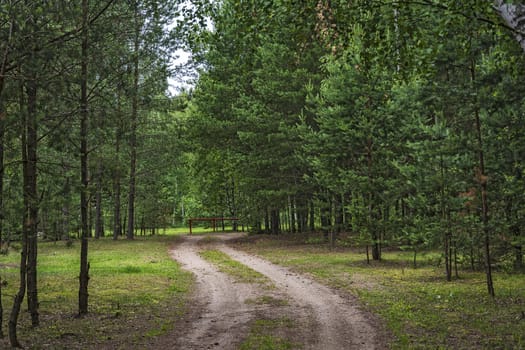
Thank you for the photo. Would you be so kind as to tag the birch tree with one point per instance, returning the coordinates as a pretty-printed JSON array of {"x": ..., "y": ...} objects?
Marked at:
[{"x": 514, "y": 17}]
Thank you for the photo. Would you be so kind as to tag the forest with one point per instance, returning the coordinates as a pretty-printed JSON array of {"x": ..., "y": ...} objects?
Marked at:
[
  {"x": 395, "y": 123},
  {"x": 378, "y": 124}
]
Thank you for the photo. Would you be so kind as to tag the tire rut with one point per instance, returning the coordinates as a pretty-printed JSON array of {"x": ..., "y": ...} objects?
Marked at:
[
  {"x": 340, "y": 323},
  {"x": 222, "y": 317}
]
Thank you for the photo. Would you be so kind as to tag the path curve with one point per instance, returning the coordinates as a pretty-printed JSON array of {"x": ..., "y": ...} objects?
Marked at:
[
  {"x": 335, "y": 323},
  {"x": 220, "y": 314},
  {"x": 341, "y": 324}
]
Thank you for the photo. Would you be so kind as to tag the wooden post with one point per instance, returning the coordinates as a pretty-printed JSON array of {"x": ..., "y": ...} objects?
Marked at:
[{"x": 213, "y": 222}]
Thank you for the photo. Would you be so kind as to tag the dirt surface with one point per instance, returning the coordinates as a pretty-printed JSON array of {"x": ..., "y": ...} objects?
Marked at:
[{"x": 223, "y": 311}]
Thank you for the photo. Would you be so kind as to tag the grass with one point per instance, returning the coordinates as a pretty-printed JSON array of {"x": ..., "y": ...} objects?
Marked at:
[
  {"x": 420, "y": 308},
  {"x": 264, "y": 335},
  {"x": 268, "y": 300},
  {"x": 136, "y": 291},
  {"x": 240, "y": 272}
]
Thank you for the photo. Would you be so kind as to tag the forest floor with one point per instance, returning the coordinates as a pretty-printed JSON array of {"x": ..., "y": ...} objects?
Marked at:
[
  {"x": 283, "y": 310},
  {"x": 234, "y": 291}
]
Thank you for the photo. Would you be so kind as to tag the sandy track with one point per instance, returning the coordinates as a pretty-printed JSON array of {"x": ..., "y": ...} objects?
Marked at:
[
  {"x": 220, "y": 314},
  {"x": 221, "y": 317}
]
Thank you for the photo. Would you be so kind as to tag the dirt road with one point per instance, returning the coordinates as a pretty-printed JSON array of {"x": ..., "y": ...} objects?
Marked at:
[{"x": 223, "y": 311}]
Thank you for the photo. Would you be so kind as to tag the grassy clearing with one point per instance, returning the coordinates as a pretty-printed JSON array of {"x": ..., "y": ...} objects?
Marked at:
[
  {"x": 136, "y": 291},
  {"x": 264, "y": 335},
  {"x": 240, "y": 272},
  {"x": 421, "y": 309}
]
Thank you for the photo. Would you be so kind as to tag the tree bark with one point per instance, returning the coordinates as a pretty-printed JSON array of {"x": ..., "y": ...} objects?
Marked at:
[
  {"x": 133, "y": 130},
  {"x": 275, "y": 221},
  {"x": 2, "y": 136},
  {"x": 482, "y": 180},
  {"x": 84, "y": 115},
  {"x": 66, "y": 192},
  {"x": 99, "y": 219},
  {"x": 376, "y": 248},
  {"x": 312, "y": 216},
  {"x": 19, "y": 297},
  {"x": 117, "y": 229},
  {"x": 2, "y": 133},
  {"x": 3, "y": 67},
  {"x": 30, "y": 189},
  {"x": 293, "y": 215},
  {"x": 514, "y": 17}
]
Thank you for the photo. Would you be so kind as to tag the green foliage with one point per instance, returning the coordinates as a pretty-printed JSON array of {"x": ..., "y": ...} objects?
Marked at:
[{"x": 362, "y": 119}]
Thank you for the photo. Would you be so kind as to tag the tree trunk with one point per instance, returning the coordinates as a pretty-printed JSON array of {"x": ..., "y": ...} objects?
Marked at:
[
  {"x": 3, "y": 67},
  {"x": 66, "y": 192},
  {"x": 514, "y": 17},
  {"x": 266, "y": 222},
  {"x": 19, "y": 297},
  {"x": 133, "y": 130},
  {"x": 293, "y": 207},
  {"x": 326, "y": 215},
  {"x": 84, "y": 115},
  {"x": 117, "y": 229},
  {"x": 30, "y": 189},
  {"x": 301, "y": 207},
  {"x": 2, "y": 133},
  {"x": 2, "y": 136},
  {"x": 376, "y": 249},
  {"x": 275, "y": 222},
  {"x": 312, "y": 216},
  {"x": 482, "y": 180},
  {"x": 518, "y": 263},
  {"x": 99, "y": 219},
  {"x": 518, "y": 250},
  {"x": 1, "y": 312}
]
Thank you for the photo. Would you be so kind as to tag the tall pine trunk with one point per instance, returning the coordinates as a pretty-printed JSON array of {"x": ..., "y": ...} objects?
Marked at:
[
  {"x": 84, "y": 114},
  {"x": 66, "y": 193},
  {"x": 293, "y": 216},
  {"x": 311, "y": 216},
  {"x": 19, "y": 297},
  {"x": 2, "y": 134},
  {"x": 133, "y": 131},
  {"x": 117, "y": 229},
  {"x": 99, "y": 219},
  {"x": 445, "y": 217},
  {"x": 376, "y": 244},
  {"x": 3, "y": 67},
  {"x": 30, "y": 192},
  {"x": 482, "y": 180},
  {"x": 275, "y": 221}
]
